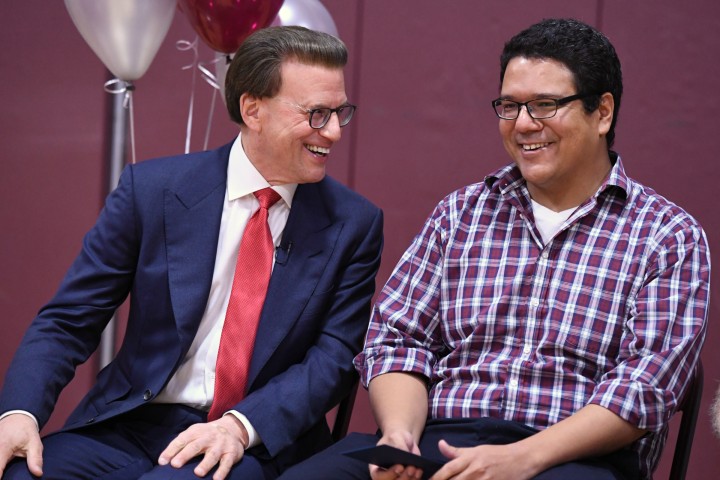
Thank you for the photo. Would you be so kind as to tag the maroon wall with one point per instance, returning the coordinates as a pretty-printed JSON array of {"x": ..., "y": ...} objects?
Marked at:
[{"x": 421, "y": 71}]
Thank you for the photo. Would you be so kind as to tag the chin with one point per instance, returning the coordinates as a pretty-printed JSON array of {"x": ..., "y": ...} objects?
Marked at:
[{"x": 314, "y": 177}]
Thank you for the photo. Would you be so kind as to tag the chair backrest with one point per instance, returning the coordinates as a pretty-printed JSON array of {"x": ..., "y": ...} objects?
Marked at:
[
  {"x": 344, "y": 412},
  {"x": 690, "y": 408}
]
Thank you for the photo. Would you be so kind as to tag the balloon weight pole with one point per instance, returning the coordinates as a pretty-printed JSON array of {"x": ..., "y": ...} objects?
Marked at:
[{"x": 116, "y": 152}]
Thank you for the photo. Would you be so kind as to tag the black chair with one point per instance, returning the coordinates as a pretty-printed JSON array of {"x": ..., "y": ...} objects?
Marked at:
[
  {"x": 344, "y": 412},
  {"x": 690, "y": 408}
]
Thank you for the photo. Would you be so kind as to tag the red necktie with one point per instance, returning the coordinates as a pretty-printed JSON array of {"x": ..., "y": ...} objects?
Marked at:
[{"x": 252, "y": 276}]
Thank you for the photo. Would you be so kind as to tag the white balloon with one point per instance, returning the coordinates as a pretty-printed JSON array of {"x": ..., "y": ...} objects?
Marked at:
[
  {"x": 124, "y": 34},
  {"x": 306, "y": 13}
]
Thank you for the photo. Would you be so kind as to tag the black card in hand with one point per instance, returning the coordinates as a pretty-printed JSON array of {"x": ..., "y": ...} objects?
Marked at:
[{"x": 386, "y": 456}]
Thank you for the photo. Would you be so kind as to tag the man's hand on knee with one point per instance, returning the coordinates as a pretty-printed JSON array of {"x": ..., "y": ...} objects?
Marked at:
[
  {"x": 19, "y": 437},
  {"x": 221, "y": 442}
]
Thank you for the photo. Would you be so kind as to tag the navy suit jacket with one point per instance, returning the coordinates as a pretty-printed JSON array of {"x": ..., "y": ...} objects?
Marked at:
[{"x": 156, "y": 240}]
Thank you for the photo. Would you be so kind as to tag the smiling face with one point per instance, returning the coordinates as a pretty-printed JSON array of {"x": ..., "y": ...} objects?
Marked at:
[
  {"x": 563, "y": 159},
  {"x": 277, "y": 137}
]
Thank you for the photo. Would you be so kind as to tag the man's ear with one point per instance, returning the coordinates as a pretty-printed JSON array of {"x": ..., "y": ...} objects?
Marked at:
[
  {"x": 250, "y": 111},
  {"x": 606, "y": 109}
]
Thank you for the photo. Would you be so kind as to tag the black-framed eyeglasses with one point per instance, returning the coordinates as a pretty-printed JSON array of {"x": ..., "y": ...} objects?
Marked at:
[
  {"x": 539, "y": 109},
  {"x": 319, "y": 117}
]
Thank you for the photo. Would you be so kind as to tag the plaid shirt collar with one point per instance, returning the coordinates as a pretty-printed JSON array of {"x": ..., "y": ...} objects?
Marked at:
[{"x": 509, "y": 179}]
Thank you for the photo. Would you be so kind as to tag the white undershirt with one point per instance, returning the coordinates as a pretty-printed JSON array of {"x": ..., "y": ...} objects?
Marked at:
[{"x": 547, "y": 221}]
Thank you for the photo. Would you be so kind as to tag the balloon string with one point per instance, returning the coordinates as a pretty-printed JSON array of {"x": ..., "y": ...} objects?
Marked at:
[
  {"x": 207, "y": 75},
  {"x": 118, "y": 87},
  {"x": 212, "y": 80},
  {"x": 210, "y": 117},
  {"x": 183, "y": 46}
]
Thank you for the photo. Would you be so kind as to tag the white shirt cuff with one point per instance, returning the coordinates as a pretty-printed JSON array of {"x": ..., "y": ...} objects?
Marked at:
[
  {"x": 253, "y": 437},
  {"x": 23, "y": 412}
]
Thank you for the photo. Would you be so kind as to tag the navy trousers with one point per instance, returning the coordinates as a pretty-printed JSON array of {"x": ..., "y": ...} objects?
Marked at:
[
  {"x": 128, "y": 447},
  {"x": 332, "y": 464}
]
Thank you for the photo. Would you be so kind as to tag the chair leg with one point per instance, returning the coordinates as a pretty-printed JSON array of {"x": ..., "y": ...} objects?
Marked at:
[{"x": 690, "y": 409}]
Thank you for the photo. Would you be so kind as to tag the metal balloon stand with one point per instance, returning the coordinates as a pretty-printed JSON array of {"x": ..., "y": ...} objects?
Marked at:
[{"x": 116, "y": 152}]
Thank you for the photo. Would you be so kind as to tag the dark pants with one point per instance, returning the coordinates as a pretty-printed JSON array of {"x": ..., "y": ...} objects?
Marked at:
[
  {"x": 331, "y": 464},
  {"x": 128, "y": 448}
]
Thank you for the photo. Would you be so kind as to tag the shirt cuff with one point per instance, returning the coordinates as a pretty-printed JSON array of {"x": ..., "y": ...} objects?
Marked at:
[
  {"x": 23, "y": 412},
  {"x": 253, "y": 437}
]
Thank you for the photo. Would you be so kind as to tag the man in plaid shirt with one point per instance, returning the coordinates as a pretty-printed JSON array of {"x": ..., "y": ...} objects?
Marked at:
[{"x": 546, "y": 322}]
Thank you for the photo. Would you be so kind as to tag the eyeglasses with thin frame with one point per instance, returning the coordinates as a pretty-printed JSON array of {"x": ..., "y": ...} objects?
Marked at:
[
  {"x": 539, "y": 109},
  {"x": 319, "y": 117}
]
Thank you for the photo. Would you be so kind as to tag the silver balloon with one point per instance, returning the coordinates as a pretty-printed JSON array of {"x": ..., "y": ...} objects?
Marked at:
[
  {"x": 306, "y": 13},
  {"x": 124, "y": 34}
]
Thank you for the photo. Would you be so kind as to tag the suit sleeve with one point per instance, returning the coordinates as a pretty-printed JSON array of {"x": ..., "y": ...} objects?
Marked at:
[{"x": 67, "y": 330}]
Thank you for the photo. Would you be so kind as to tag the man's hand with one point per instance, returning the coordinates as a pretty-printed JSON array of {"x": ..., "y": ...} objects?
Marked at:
[
  {"x": 403, "y": 441},
  {"x": 221, "y": 441},
  {"x": 590, "y": 432},
  {"x": 19, "y": 437},
  {"x": 484, "y": 462}
]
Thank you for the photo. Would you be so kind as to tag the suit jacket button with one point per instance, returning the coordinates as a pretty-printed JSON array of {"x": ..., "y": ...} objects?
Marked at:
[
  {"x": 91, "y": 420},
  {"x": 147, "y": 395}
]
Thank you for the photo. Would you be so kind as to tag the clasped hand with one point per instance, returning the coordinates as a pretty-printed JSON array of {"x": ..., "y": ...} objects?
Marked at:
[{"x": 483, "y": 462}]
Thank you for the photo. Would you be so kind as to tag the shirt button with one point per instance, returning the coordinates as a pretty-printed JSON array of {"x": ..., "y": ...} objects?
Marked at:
[
  {"x": 513, "y": 382},
  {"x": 534, "y": 302},
  {"x": 147, "y": 395},
  {"x": 527, "y": 349}
]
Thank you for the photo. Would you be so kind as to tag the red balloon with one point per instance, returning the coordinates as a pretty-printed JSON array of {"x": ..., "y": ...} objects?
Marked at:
[{"x": 224, "y": 24}]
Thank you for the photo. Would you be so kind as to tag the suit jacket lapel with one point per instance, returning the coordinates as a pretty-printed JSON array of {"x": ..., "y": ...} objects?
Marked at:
[
  {"x": 193, "y": 210},
  {"x": 311, "y": 237}
]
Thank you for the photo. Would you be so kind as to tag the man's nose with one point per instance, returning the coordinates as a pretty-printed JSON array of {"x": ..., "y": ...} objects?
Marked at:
[
  {"x": 525, "y": 121},
  {"x": 332, "y": 130}
]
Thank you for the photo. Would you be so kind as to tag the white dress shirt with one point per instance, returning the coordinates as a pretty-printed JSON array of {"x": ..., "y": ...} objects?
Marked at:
[{"x": 193, "y": 384}]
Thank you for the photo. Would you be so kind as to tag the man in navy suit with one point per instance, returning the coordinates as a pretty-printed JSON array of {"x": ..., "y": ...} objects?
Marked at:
[{"x": 168, "y": 237}]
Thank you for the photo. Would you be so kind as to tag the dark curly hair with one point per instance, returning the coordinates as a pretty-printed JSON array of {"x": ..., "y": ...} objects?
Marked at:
[
  {"x": 255, "y": 68},
  {"x": 584, "y": 50}
]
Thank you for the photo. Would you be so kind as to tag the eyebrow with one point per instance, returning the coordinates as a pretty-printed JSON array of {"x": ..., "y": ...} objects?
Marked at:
[
  {"x": 536, "y": 97},
  {"x": 318, "y": 106}
]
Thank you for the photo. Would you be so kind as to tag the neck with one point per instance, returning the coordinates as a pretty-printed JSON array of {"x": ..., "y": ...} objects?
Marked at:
[{"x": 562, "y": 197}]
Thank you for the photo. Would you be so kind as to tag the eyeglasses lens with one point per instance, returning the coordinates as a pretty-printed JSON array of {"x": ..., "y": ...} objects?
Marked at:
[{"x": 321, "y": 116}]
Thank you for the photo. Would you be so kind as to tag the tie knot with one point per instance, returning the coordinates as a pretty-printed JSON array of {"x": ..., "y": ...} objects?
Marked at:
[{"x": 267, "y": 197}]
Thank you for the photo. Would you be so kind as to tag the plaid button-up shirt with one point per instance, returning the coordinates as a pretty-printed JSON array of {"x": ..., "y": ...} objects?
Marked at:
[{"x": 611, "y": 311}]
